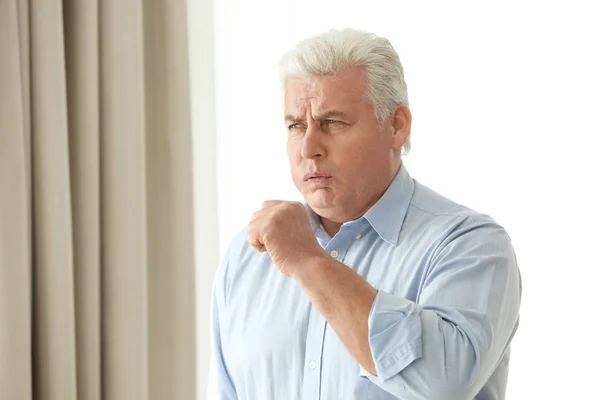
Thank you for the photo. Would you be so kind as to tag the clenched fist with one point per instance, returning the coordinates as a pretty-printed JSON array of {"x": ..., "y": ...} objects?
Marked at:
[{"x": 282, "y": 228}]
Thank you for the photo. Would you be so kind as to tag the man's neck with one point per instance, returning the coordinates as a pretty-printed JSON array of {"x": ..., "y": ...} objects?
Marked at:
[{"x": 332, "y": 228}]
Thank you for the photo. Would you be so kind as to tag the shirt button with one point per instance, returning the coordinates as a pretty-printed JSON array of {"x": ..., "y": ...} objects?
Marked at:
[
  {"x": 358, "y": 236},
  {"x": 334, "y": 253},
  {"x": 312, "y": 365}
]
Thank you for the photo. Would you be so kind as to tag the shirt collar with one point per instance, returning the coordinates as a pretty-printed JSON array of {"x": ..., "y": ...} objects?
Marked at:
[
  {"x": 313, "y": 217},
  {"x": 387, "y": 214},
  {"x": 316, "y": 225}
]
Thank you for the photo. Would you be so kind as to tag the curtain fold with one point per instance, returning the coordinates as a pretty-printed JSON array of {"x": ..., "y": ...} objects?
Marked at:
[
  {"x": 15, "y": 205},
  {"x": 96, "y": 234},
  {"x": 81, "y": 27}
]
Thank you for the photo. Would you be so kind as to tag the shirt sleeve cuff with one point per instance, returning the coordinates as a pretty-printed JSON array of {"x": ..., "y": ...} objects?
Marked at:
[{"x": 394, "y": 335}]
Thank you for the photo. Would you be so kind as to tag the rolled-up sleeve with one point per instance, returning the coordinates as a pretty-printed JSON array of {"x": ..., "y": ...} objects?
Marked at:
[
  {"x": 448, "y": 343},
  {"x": 394, "y": 334}
]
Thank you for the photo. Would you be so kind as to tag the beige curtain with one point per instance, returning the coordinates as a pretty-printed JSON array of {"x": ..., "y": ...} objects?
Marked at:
[{"x": 96, "y": 247}]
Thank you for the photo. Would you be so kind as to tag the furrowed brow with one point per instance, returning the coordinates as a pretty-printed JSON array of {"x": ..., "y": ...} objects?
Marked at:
[
  {"x": 289, "y": 118},
  {"x": 331, "y": 115}
]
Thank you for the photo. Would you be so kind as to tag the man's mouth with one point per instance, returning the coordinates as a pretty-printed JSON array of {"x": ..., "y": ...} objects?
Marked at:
[{"x": 316, "y": 176}]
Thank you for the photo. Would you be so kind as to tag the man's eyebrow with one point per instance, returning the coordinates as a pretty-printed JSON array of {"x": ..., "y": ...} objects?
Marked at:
[
  {"x": 292, "y": 118},
  {"x": 331, "y": 114},
  {"x": 321, "y": 116}
]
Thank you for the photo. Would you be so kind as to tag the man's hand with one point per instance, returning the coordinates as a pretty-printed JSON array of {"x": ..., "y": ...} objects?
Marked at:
[
  {"x": 283, "y": 230},
  {"x": 344, "y": 298}
]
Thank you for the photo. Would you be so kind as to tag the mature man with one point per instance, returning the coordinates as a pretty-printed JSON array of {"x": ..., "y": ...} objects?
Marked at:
[{"x": 377, "y": 287}]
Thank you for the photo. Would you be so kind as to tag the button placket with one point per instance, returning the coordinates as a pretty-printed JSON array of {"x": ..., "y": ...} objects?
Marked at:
[
  {"x": 313, "y": 355},
  {"x": 337, "y": 248}
]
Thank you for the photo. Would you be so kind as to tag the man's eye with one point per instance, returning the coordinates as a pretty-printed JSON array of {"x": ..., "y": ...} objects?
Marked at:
[
  {"x": 293, "y": 126},
  {"x": 331, "y": 121}
]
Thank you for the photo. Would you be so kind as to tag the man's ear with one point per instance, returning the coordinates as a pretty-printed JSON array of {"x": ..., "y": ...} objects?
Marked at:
[{"x": 401, "y": 123}]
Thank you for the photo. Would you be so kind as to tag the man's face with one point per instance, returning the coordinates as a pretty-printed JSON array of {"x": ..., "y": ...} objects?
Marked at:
[{"x": 341, "y": 158}]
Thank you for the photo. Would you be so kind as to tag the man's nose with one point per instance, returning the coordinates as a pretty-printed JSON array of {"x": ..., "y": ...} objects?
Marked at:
[{"x": 312, "y": 146}]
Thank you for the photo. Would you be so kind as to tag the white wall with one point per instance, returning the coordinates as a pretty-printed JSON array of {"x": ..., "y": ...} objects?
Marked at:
[
  {"x": 506, "y": 104},
  {"x": 201, "y": 57}
]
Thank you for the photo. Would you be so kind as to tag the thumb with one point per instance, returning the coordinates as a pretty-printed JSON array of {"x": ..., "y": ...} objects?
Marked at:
[{"x": 255, "y": 241}]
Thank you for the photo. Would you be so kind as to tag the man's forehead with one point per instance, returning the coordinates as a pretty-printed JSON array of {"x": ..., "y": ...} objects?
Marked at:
[
  {"x": 303, "y": 96},
  {"x": 300, "y": 101},
  {"x": 308, "y": 103},
  {"x": 298, "y": 110},
  {"x": 320, "y": 106},
  {"x": 323, "y": 94}
]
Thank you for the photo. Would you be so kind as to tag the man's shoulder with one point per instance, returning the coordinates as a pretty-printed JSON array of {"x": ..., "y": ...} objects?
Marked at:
[
  {"x": 239, "y": 247},
  {"x": 451, "y": 228},
  {"x": 240, "y": 253},
  {"x": 439, "y": 210}
]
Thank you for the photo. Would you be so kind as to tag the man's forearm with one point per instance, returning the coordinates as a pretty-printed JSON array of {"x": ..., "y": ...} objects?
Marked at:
[{"x": 345, "y": 300}]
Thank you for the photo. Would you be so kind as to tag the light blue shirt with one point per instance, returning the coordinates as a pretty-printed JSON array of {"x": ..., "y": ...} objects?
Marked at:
[{"x": 440, "y": 327}]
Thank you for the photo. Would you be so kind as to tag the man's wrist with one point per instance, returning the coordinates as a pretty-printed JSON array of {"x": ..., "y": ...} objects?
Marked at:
[{"x": 307, "y": 269}]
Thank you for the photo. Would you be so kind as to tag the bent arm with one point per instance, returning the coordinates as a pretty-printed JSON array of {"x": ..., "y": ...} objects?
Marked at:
[{"x": 448, "y": 343}]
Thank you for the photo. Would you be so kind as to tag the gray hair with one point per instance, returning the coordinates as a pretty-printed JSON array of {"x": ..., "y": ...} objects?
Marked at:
[{"x": 332, "y": 51}]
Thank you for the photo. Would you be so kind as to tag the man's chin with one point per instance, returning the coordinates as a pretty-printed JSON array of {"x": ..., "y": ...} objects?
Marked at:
[{"x": 317, "y": 201}]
